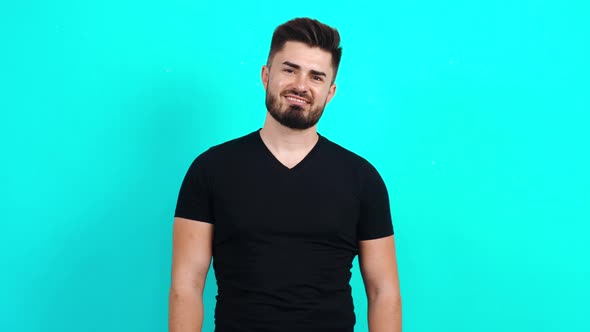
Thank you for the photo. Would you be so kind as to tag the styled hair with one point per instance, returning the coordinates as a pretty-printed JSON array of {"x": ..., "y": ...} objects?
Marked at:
[{"x": 311, "y": 32}]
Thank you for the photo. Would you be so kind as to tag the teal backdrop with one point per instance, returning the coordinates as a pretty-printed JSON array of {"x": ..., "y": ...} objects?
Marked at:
[{"x": 475, "y": 113}]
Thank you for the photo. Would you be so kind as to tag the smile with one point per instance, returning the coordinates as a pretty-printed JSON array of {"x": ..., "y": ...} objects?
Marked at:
[{"x": 296, "y": 100}]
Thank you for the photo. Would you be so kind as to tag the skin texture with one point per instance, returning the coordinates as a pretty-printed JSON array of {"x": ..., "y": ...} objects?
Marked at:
[
  {"x": 191, "y": 257},
  {"x": 293, "y": 72},
  {"x": 300, "y": 72},
  {"x": 290, "y": 145},
  {"x": 379, "y": 270}
]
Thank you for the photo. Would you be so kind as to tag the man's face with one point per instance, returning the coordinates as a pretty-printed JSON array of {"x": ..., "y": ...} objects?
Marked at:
[{"x": 298, "y": 84}]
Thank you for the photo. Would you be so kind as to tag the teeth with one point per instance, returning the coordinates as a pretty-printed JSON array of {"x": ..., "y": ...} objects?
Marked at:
[{"x": 297, "y": 99}]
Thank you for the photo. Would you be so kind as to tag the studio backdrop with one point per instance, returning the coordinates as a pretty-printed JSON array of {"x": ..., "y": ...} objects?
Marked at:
[{"x": 475, "y": 114}]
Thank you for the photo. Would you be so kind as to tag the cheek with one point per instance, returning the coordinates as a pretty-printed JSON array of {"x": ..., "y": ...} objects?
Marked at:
[
  {"x": 277, "y": 85},
  {"x": 323, "y": 94}
]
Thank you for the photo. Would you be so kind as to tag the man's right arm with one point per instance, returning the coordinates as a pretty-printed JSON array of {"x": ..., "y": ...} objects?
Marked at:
[{"x": 191, "y": 257}]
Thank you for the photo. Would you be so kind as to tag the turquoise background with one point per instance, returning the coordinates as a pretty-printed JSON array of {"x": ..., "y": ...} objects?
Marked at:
[{"x": 475, "y": 113}]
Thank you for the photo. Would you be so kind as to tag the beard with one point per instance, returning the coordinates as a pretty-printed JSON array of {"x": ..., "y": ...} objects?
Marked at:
[{"x": 293, "y": 116}]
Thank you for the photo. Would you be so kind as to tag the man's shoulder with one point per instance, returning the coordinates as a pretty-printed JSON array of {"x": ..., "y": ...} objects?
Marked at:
[
  {"x": 235, "y": 144},
  {"x": 222, "y": 153},
  {"x": 342, "y": 154},
  {"x": 231, "y": 146}
]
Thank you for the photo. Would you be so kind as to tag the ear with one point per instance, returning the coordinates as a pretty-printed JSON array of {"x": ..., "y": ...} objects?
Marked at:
[
  {"x": 264, "y": 76},
  {"x": 331, "y": 92}
]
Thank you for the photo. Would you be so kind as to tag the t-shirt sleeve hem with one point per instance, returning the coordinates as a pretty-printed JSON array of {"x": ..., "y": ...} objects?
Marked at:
[
  {"x": 376, "y": 236},
  {"x": 194, "y": 218}
]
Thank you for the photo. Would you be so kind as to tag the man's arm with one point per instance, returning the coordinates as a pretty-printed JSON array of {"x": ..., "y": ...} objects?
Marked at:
[
  {"x": 192, "y": 246},
  {"x": 379, "y": 270}
]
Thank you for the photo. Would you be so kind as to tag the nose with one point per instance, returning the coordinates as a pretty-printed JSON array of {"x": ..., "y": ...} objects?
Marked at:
[{"x": 301, "y": 83}]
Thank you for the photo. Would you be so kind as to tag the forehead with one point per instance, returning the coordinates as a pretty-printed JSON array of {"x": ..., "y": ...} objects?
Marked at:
[{"x": 309, "y": 58}]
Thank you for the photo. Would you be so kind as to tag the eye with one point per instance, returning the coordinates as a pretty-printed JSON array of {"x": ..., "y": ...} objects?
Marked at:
[
  {"x": 288, "y": 70},
  {"x": 318, "y": 78}
]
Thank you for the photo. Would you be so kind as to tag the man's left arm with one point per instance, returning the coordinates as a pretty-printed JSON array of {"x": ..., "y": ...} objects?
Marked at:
[{"x": 379, "y": 270}]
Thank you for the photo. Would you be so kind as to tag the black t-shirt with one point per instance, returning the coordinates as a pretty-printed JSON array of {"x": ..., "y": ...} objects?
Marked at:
[{"x": 284, "y": 239}]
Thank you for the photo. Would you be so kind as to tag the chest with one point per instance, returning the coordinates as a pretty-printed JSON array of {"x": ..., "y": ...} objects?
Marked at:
[{"x": 313, "y": 205}]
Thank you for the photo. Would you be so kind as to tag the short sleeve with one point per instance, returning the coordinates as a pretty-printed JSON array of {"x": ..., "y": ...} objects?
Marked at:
[
  {"x": 194, "y": 198},
  {"x": 375, "y": 215}
]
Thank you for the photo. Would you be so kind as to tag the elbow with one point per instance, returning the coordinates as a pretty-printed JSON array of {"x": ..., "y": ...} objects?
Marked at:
[
  {"x": 391, "y": 296},
  {"x": 177, "y": 292}
]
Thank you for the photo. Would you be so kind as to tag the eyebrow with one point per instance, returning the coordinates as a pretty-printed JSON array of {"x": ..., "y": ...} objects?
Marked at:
[{"x": 313, "y": 72}]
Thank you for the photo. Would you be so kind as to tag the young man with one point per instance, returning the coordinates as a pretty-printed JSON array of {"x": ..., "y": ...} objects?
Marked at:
[{"x": 283, "y": 211}]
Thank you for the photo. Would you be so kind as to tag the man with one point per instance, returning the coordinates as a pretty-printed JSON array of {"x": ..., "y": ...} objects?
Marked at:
[{"x": 283, "y": 211}]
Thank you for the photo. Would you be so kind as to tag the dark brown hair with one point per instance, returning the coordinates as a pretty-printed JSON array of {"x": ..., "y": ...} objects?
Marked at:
[{"x": 311, "y": 32}]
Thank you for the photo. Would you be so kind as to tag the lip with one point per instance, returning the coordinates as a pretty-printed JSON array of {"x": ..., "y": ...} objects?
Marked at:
[{"x": 296, "y": 100}]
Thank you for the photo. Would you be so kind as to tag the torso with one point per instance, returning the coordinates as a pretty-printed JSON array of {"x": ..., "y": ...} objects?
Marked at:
[{"x": 285, "y": 237}]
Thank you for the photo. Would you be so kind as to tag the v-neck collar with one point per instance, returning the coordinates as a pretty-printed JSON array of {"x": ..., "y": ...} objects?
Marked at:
[{"x": 278, "y": 163}]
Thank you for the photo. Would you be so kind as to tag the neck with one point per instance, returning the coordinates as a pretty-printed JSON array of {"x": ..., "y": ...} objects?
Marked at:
[{"x": 283, "y": 139}]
